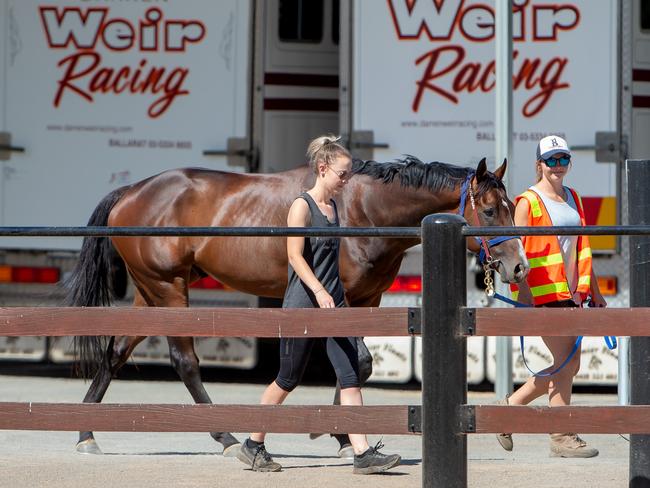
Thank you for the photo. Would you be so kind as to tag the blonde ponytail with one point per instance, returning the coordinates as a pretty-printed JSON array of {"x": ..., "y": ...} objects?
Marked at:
[{"x": 325, "y": 149}]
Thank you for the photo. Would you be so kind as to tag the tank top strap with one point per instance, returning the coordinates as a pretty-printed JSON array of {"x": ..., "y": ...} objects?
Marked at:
[
  {"x": 312, "y": 206},
  {"x": 318, "y": 218},
  {"x": 336, "y": 212}
]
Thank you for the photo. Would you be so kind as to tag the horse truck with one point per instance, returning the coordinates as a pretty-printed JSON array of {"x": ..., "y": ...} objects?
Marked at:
[{"x": 98, "y": 94}]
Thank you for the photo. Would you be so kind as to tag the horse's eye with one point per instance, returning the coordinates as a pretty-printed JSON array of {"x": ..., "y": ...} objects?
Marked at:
[{"x": 489, "y": 212}]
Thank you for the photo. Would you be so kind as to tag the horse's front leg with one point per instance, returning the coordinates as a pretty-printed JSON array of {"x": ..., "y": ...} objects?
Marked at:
[
  {"x": 117, "y": 353},
  {"x": 186, "y": 364}
]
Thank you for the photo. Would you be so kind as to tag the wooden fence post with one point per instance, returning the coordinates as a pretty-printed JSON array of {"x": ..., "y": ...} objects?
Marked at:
[
  {"x": 444, "y": 352},
  {"x": 638, "y": 178}
]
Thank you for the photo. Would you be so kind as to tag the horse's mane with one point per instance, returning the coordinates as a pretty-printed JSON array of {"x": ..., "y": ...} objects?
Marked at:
[{"x": 414, "y": 173}]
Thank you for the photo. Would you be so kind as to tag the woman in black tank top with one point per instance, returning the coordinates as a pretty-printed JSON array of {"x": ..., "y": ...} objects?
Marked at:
[{"x": 314, "y": 281}]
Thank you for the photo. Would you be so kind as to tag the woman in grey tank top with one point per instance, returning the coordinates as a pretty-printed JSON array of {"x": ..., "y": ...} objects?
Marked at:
[{"x": 314, "y": 282}]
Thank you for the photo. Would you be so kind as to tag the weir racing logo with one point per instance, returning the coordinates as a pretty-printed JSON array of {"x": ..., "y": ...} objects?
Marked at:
[
  {"x": 447, "y": 71},
  {"x": 83, "y": 72}
]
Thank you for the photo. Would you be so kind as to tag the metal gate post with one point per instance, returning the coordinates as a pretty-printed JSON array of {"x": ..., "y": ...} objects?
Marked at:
[
  {"x": 638, "y": 176},
  {"x": 444, "y": 352}
]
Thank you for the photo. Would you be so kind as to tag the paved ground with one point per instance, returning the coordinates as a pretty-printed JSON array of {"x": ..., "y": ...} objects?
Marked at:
[{"x": 48, "y": 459}]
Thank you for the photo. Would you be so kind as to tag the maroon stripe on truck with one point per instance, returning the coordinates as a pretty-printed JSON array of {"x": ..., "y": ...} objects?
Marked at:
[
  {"x": 641, "y": 75},
  {"x": 292, "y": 79},
  {"x": 302, "y": 104},
  {"x": 640, "y": 101}
]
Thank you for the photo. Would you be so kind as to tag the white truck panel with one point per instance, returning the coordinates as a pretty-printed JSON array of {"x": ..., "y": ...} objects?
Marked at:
[
  {"x": 23, "y": 348},
  {"x": 391, "y": 359},
  {"x": 88, "y": 121},
  {"x": 423, "y": 83},
  {"x": 475, "y": 360},
  {"x": 230, "y": 352}
]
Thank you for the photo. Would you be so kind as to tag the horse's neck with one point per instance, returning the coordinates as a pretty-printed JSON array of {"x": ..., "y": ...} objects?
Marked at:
[{"x": 392, "y": 205}]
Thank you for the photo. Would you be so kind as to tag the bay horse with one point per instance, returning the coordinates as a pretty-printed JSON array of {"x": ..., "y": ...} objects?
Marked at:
[{"x": 396, "y": 194}]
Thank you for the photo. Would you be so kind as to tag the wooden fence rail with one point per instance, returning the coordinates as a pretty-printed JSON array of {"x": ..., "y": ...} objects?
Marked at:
[
  {"x": 555, "y": 321},
  {"x": 484, "y": 419},
  {"x": 134, "y": 417},
  {"x": 208, "y": 322}
]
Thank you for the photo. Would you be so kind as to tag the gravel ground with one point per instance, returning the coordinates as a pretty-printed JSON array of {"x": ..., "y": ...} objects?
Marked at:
[{"x": 48, "y": 459}]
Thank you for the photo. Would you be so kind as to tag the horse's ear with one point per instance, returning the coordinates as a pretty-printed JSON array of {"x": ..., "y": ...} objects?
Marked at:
[
  {"x": 481, "y": 170},
  {"x": 501, "y": 170}
]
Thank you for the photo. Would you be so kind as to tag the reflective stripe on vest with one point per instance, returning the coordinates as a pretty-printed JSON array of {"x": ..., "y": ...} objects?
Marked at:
[
  {"x": 534, "y": 205},
  {"x": 545, "y": 260},
  {"x": 542, "y": 290},
  {"x": 584, "y": 253}
]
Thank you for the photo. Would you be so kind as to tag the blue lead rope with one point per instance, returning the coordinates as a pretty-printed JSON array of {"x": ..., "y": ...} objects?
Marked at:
[{"x": 610, "y": 341}]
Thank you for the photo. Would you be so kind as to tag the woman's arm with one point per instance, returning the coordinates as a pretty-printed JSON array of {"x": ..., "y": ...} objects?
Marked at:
[
  {"x": 299, "y": 217},
  {"x": 521, "y": 220}
]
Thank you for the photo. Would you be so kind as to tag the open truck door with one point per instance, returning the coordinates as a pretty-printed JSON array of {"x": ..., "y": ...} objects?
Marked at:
[{"x": 296, "y": 79}]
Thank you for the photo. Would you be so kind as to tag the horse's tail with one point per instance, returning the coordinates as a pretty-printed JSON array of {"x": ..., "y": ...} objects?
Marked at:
[{"x": 90, "y": 284}]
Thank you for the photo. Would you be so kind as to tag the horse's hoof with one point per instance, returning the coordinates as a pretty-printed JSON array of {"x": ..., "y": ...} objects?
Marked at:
[
  {"x": 231, "y": 451},
  {"x": 346, "y": 452},
  {"x": 88, "y": 446}
]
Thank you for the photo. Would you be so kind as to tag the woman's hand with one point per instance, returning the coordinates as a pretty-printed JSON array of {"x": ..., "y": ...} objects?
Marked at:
[
  {"x": 525, "y": 295},
  {"x": 324, "y": 299},
  {"x": 597, "y": 299}
]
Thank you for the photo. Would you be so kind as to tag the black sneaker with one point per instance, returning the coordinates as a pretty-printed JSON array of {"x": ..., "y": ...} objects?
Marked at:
[
  {"x": 372, "y": 461},
  {"x": 257, "y": 458}
]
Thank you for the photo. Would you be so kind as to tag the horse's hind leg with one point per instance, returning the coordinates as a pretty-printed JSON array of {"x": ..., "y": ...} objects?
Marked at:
[
  {"x": 181, "y": 349},
  {"x": 119, "y": 350},
  {"x": 186, "y": 364}
]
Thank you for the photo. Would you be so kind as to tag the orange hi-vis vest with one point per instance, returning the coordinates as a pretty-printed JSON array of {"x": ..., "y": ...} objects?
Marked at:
[{"x": 547, "y": 276}]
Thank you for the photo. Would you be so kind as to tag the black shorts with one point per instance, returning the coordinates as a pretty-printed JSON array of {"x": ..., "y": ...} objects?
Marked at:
[{"x": 295, "y": 352}]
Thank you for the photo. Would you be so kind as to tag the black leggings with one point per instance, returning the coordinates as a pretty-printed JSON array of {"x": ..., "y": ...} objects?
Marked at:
[{"x": 294, "y": 354}]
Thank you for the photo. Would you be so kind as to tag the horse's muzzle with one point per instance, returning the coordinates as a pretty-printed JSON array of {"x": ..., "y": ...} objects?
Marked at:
[{"x": 521, "y": 271}]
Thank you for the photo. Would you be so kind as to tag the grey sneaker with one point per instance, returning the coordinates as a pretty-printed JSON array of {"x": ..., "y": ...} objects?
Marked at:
[
  {"x": 505, "y": 439},
  {"x": 570, "y": 446},
  {"x": 372, "y": 461},
  {"x": 232, "y": 450},
  {"x": 257, "y": 458}
]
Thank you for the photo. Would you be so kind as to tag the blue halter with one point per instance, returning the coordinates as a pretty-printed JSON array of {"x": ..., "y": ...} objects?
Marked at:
[{"x": 465, "y": 189}]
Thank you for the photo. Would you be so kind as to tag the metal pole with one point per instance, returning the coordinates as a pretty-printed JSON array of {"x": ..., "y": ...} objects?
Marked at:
[
  {"x": 503, "y": 135},
  {"x": 624, "y": 104},
  {"x": 444, "y": 352},
  {"x": 638, "y": 175},
  {"x": 623, "y": 371}
]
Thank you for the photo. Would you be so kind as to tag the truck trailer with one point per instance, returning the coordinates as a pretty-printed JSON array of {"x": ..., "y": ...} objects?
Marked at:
[{"x": 98, "y": 94}]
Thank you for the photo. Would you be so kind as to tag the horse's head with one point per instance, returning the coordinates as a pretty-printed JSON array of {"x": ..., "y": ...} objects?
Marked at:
[{"x": 487, "y": 204}]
